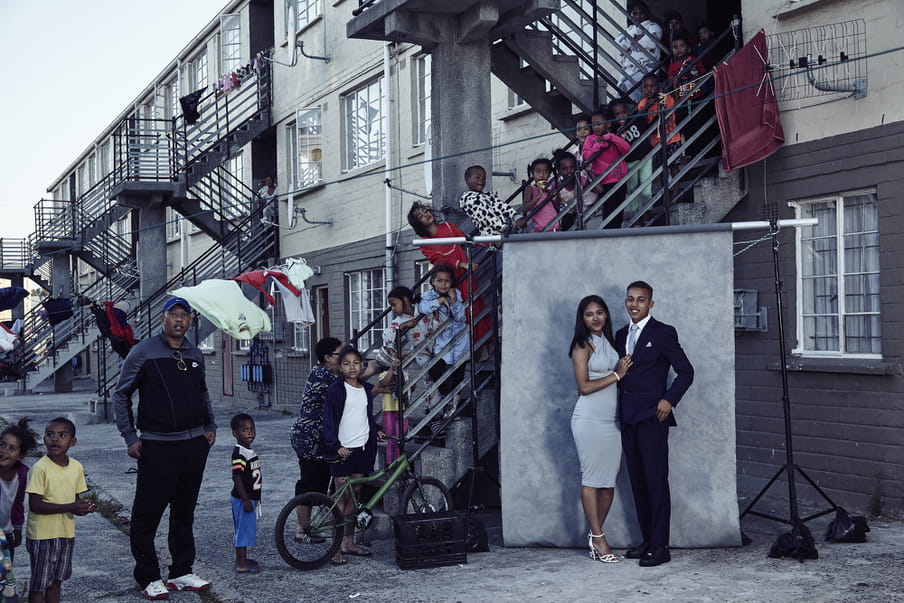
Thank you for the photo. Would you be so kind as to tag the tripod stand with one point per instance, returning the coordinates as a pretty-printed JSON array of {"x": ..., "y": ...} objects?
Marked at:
[{"x": 799, "y": 531}]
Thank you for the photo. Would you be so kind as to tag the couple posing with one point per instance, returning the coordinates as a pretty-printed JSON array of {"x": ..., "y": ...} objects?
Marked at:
[{"x": 625, "y": 403}]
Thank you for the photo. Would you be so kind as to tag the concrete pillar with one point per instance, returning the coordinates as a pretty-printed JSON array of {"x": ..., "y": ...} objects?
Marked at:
[
  {"x": 151, "y": 248},
  {"x": 461, "y": 119},
  {"x": 61, "y": 278}
]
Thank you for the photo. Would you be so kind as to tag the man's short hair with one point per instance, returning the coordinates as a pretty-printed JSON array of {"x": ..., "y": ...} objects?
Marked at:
[{"x": 641, "y": 285}]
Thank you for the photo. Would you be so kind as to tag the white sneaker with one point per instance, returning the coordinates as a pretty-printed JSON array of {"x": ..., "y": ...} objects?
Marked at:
[
  {"x": 155, "y": 590},
  {"x": 187, "y": 582}
]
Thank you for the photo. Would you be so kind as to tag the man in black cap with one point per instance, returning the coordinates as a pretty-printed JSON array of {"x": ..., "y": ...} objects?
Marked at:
[{"x": 177, "y": 430}]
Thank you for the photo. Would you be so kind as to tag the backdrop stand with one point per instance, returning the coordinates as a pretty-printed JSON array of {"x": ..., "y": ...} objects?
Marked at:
[{"x": 798, "y": 542}]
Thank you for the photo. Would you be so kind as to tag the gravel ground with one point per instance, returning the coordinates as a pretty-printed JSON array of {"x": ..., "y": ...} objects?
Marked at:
[{"x": 102, "y": 564}]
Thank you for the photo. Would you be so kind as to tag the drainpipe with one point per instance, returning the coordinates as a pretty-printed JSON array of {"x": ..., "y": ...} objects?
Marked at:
[{"x": 387, "y": 171}]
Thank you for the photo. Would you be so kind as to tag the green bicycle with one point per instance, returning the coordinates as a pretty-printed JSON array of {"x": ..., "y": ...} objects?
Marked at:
[{"x": 310, "y": 527}]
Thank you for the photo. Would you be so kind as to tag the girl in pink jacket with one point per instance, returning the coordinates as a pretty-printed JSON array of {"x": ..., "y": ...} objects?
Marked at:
[{"x": 609, "y": 149}]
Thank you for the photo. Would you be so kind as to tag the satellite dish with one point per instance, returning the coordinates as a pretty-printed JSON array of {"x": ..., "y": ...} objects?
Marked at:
[
  {"x": 292, "y": 29},
  {"x": 428, "y": 162}
]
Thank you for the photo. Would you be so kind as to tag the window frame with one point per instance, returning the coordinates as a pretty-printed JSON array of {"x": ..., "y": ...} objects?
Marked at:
[
  {"x": 422, "y": 101},
  {"x": 357, "y": 318},
  {"x": 352, "y": 157},
  {"x": 230, "y": 63},
  {"x": 308, "y": 144},
  {"x": 306, "y": 12},
  {"x": 800, "y": 207},
  {"x": 196, "y": 65}
]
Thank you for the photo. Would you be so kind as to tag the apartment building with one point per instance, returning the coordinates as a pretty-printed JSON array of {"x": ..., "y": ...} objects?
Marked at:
[{"x": 332, "y": 106}]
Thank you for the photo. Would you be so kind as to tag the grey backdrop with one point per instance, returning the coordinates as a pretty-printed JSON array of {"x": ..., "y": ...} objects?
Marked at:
[{"x": 692, "y": 277}]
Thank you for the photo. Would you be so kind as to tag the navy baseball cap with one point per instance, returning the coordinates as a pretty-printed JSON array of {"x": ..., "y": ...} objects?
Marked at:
[{"x": 176, "y": 301}]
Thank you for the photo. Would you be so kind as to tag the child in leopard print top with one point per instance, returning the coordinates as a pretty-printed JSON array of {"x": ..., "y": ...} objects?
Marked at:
[{"x": 490, "y": 214}]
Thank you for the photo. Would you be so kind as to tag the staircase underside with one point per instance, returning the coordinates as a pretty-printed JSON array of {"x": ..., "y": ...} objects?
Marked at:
[{"x": 415, "y": 21}]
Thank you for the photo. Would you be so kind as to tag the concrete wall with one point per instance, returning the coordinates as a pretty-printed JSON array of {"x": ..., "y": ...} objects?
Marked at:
[
  {"x": 691, "y": 274},
  {"x": 815, "y": 118},
  {"x": 846, "y": 414}
]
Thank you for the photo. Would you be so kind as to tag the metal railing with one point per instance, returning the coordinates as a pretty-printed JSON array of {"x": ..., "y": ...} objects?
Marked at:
[
  {"x": 14, "y": 254},
  {"x": 222, "y": 116}
]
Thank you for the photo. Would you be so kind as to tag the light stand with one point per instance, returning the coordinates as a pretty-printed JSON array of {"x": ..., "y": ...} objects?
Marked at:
[{"x": 799, "y": 532}]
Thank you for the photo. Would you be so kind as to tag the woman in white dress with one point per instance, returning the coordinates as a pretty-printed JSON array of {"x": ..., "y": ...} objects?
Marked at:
[{"x": 597, "y": 370}]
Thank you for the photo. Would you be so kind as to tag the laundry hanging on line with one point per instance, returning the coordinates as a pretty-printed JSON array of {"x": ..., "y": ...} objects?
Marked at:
[{"x": 222, "y": 303}]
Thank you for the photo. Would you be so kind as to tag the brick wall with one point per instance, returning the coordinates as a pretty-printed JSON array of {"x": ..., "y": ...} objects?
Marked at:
[{"x": 847, "y": 418}]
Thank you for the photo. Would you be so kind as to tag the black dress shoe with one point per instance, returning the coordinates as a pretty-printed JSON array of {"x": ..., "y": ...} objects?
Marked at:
[
  {"x": 637, "y": 552},
  {"x": 655, "y": 556}
]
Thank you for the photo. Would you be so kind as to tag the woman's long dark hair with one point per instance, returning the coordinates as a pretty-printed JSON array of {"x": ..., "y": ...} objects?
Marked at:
[{"x": 581, "y": 332}]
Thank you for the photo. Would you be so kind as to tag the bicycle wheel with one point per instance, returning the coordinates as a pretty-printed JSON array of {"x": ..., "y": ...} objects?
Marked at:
[
  {"x": 426, "y": 495},
  {"x": 309, "y": 544}
]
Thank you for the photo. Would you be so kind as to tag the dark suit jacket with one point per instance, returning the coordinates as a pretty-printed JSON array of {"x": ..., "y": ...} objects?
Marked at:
[{"x": 646, "y": 383}]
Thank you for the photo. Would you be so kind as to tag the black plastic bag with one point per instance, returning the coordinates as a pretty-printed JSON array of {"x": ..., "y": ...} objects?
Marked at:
[
  {"x": 797, "y": 544},
  {"x": 845, "y": 528},
  {"x": 476, "y": 540}
]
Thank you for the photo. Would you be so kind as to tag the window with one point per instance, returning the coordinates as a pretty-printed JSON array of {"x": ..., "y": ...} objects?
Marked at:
[
  {"x": 208, "y": 343},
  {"x": 421, "y": 268},
  {"x": 197, "y": 72},
  {"x": 173, "y": 224},
  {"x": 92, "y": 170},
  {"x": 230, "y": 43},
  {"x": 305, "y": 12},
  {"x": 301, "y": 336},
  {"x": 235, "y": 205},
  {"x": 422, "y": 102},
  {"x": 514, "y": 101},
  {"x": 838, "y": 277},
  {"x": 366, "y": 299},
  {"x": 105, "y": 164},
  {"x": 364, "y": 128},
  {"x": 170, "y": 99},
  {"x": 307, "y": 170},
  {"x": 82, "y": 179}
]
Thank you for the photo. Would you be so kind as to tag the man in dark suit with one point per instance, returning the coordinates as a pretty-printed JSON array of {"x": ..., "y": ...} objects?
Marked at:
[{"x": 645, "y": 402}]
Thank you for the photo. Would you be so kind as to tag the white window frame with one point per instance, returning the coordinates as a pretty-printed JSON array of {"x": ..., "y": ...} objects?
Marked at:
[
  {"x": 308, "y": 149},
  {"x": 422, "y": 267},
  {"x": 805, "y": 346},
  {"x": 230, "y": 42},
  {"x": 306, "y": 12},
  {"x": 366, "y": 297},
  {"x": 198, "y": 76},
  {"x": 301, "y": 337},
  {"x": 235, "y": 206},
  {"x": 208, "y": 344},
  {"x": 173, "y": 224},
  {"x": 364, "y": 134},
  {"x": 422, "y": 101}
]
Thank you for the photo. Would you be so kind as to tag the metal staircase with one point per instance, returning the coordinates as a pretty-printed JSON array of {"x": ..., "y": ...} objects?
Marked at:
[{"x": 179, "y": 162}]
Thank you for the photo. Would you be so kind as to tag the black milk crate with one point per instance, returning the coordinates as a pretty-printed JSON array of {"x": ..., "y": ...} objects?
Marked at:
[{"x": 429, "y": 540}]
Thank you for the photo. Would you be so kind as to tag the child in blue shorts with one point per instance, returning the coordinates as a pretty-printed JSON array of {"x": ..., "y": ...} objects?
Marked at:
[
  {"x": 246, "y": 492},
  {"x": 54, "y": 485}
]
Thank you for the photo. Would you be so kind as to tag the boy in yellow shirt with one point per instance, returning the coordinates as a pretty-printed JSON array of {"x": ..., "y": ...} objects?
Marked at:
[{"x": 54, "y": 484}]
